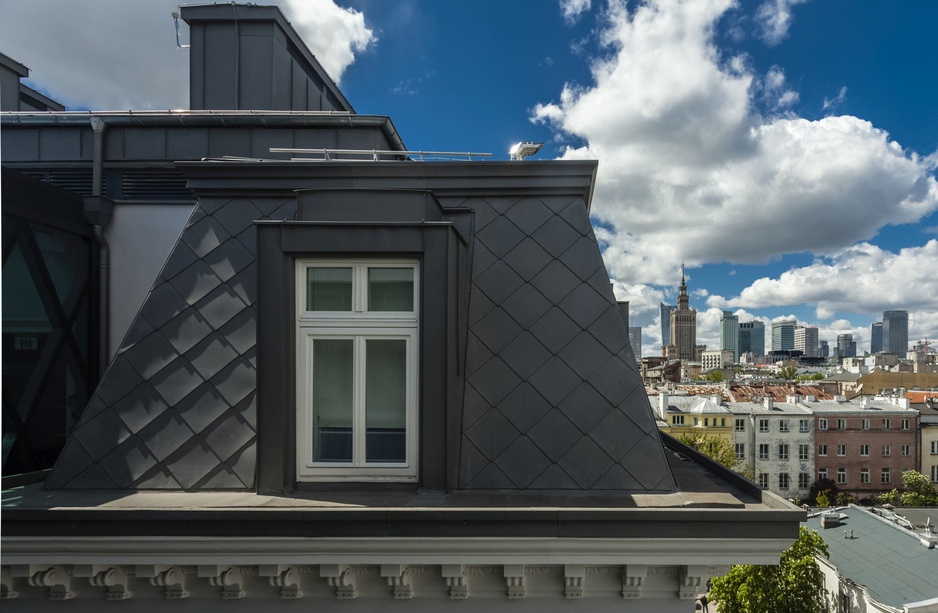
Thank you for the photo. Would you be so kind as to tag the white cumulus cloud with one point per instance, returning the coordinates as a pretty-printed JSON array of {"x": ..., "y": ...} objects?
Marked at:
[
  {"x": 572, "y": 10},
  {"x": 691, "y": 171},
  {"x": 861, "y": 278},
  {"x": 113, "y": 54}
]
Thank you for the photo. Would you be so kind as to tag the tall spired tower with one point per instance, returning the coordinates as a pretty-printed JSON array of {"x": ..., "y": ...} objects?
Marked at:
[{"x": 684, "y": 324}]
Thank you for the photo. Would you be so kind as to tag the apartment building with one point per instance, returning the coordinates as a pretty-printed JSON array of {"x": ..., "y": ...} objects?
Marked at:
[{"x": 776, "y": 440}]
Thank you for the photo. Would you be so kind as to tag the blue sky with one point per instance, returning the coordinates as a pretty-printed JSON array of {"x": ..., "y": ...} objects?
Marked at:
[{"x": 786, "y": 150}]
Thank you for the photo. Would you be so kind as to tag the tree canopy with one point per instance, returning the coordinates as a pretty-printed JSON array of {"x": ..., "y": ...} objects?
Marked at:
[
  {"x": 787, "y": 372},
  {"x": 796, "y": 585},
  {"x": 713, "y": 446},
  {"x": 917, "y": 491}
]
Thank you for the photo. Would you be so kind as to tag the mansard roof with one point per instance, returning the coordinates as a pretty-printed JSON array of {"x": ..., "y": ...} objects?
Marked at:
[{"x": 552, "y": 399}]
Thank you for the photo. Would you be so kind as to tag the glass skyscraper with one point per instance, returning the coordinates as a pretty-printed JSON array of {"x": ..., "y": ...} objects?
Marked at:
[{"x": 896, "y": 332}]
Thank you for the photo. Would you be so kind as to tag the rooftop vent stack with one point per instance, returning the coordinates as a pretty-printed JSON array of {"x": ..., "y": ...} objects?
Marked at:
[
  {"x": 663, "y": 403},
  {"x": 769, "y": 402},
  {"x": 717, "y": 399},
  {"x": 840, "y": 398},
  {"x": 793, "y": 399},
  {"x": 810, "y": 398}
]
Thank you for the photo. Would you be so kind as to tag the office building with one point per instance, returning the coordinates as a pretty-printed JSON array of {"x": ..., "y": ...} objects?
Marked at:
[
  {"x": 635, "y": 338},
  {"x": 896, "y": 332},
  {"x": 876, "y": 337},
  {"x": 729, "y": 334},
  {"x": 664, "y": 312},
  {"x": 846, "y": 346},
  {"x": 806, "y": 341},
  {"x": 752, "y": 338},
  {"x": 783, "y": 335}
]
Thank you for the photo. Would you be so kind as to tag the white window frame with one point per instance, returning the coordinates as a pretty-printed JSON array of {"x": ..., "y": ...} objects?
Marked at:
[
  {"x": 784, "y": 481},
  {"x": 804, "y": 481},
  {"x": 887, "y": 450},
  {"x": 677, "y": 420},
  {"x": 934, "y": 448},
  {"x": 934, "y": 473},
  {"x": 885, "y": 475},
  {"x": 740, "y": 450},
  {"x": 864, "y": 424},
  {"x": 841, "y": 450},
  {"x": 841, "y": 476},
  {"x": 763, "y": 451},
  {"x": 739, "y": 425},
  {"x": 905, "y": 424},
  {"x": 804, "y": 451},
  {"x": 841, "y": 424},
  {"x": 822, "y": 450},
  {"x": 783, "y": 451},
  {"x": 783, "y": 425},
  {"x": 864, "y": 475},
  {"x": 764, "y": 480},
  {"x": 804, "y": 425},
  {"x": 864, "y": 450},
  {"x": 906, "y": 450},
  {"x": 822, "y": 424},
  {"x": 821, "y": 473},
  {"x": 359, "y": 325},
  {"x": 763, "y": 425}
]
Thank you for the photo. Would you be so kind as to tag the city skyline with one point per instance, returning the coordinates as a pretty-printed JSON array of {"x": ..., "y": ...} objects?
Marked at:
[{"x": 788, "y": 157}]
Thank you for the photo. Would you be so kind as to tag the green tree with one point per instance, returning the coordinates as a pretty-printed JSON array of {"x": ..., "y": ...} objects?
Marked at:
[
  {"x": 715, "y": 447},
  {"x": 795, "y": 585},
  {"x": 787, "y": 372},
  {"x": 815, "y": 376},
  {"x": 826, "y": 487},
  {"x": 918, "y": 490},
  {"x": 715, "y": 376}
]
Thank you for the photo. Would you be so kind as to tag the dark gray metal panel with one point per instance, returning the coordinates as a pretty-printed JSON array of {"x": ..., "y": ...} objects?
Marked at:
[
  {"x": 256, "y": 68},
  {"x": 62, "y": 144},
  {"x": 281, "y": 76},
  {"x": 551, "y": 397},
  {"x": 217, "y": 70}
]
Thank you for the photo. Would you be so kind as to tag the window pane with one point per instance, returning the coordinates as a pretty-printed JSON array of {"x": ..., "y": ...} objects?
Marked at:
[
  {"x": 390, "y": 289},
  {"x": 332, "y": 400},
  {"x": 385, "y": 400},
  {"x": 328, "y": 289}
]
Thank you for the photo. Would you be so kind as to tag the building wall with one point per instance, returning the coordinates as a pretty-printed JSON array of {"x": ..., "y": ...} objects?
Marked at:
[
  {"x": 853, "y": 436},
  {"x": 752, "y": 437}
]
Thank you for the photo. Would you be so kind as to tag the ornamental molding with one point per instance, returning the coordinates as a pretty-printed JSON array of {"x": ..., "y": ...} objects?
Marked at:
[{"x": 22, "y": 584}]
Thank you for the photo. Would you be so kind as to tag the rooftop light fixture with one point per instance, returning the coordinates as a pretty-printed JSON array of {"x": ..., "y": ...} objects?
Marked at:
[{"x": 523, "y": 150}]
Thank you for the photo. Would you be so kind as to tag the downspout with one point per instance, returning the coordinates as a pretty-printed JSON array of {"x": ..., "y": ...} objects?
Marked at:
[{"x": 98, "y": 211}]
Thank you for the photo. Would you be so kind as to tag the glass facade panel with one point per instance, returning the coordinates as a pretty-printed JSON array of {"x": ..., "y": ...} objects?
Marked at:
[
  {"x": 391, "y": 289},
  {"x": 385, "y": 400},
  {"x": 332, "y": 400},
  {"x": 328, "y": 289}
]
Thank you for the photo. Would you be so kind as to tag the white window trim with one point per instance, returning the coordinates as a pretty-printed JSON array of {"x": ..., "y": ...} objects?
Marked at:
[{"x": 358, "y": 325}]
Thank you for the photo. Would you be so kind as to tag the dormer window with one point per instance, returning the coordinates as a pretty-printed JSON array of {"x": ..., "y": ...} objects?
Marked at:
[{"x": 357, "y": 326}]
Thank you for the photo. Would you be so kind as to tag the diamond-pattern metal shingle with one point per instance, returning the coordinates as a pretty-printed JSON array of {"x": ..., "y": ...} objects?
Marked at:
[
  {"x": 176, "y": 408},
  {"x": 550, "y": 400}
]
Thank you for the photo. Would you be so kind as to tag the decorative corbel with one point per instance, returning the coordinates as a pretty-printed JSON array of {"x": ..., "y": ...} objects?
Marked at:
[
  {"x": 633, "y": 576},
  {"x": 573, "y": 577},
  {"x": 115, "y": 580},
  {"x": 692, "y": 580},
  {"x": 230, "y": 580},
  {"x": 514, "y": 578},
  {"x": 338, "y": 577},
  {"x": 286, "y": 578},
  {"x": 398, "y": 580},
  {"x": 56, "y": 579},
  {"x": 6, "y": 584},
  {"x": 172, "y": 580},
  {"x": 455, "y": 575}
]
